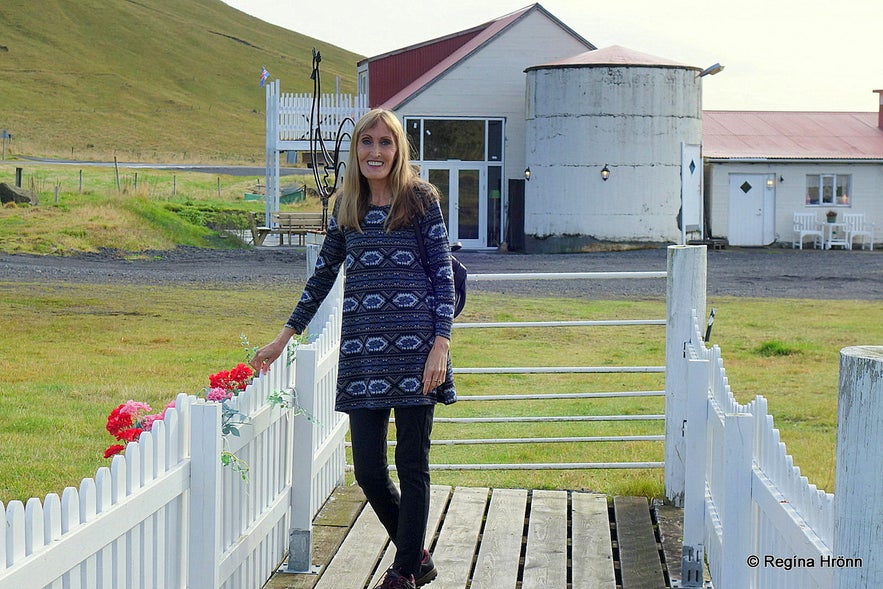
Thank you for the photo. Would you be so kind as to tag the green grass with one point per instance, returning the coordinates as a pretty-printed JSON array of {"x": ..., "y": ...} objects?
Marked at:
[
  {"x": 70, "y": 353},
  {"x": 152, "y": 210},
  {"x": 161, "y": 80}
]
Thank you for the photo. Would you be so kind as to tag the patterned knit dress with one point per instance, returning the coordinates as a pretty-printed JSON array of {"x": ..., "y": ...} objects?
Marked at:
[{"x": 391, "y": 310}]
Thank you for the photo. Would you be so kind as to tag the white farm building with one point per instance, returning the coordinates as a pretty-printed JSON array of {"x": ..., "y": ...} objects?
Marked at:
[{"x": 540, "y": 142}]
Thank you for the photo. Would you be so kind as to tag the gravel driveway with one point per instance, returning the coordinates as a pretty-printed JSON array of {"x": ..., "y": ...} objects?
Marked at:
[{"x": 753, "y": 272}]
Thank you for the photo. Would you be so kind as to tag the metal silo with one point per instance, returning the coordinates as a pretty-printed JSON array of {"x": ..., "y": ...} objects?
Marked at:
[{"x": 627, "y": 111}]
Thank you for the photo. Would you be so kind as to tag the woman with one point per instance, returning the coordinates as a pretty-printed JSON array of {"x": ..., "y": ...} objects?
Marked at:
[{"x": 396, "y": 330}]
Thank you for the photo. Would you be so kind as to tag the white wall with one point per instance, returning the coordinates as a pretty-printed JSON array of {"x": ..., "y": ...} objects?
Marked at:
[
  {"x": 866, "y": 197},
  {"x": 491, "y": 82}
]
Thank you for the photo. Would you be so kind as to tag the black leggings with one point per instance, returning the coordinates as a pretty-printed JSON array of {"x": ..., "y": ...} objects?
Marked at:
[{"x": 403, "y": 515}]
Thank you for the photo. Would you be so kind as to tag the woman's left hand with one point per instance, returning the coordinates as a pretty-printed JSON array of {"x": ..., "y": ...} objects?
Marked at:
[{"x": 436, "y": 369}]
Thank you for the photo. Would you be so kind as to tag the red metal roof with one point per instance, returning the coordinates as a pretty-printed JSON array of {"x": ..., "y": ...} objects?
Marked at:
[
  {"x": 398, "y": 76},
  {"x": 391, "y": 72},
  {"x": 791, "y": 135}
]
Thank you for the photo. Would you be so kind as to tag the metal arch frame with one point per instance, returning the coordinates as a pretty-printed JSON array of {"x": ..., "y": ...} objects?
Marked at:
[{"x": 331, "y": 160}]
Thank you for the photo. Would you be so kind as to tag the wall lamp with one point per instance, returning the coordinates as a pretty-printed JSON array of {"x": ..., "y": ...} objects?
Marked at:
[
  {"x": 605, "y": 173},
  {"x": 527, "y": 173}
]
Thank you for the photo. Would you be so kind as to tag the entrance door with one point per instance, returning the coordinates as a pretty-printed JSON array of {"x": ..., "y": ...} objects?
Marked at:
[
  {"x": 752, "y": 209},
  {"x": 462, "y": 188}
]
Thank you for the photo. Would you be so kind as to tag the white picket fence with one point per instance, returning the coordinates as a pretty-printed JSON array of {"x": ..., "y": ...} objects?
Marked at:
[
  {"x": 288, "y": 128},
  {"x": 749, "y": 513},
  {"x": 168, "y": 514},
  {"x": 292, "y": 113}
]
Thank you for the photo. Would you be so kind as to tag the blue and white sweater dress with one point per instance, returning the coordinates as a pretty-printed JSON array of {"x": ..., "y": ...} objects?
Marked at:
[{"x": 391, "y": 310}]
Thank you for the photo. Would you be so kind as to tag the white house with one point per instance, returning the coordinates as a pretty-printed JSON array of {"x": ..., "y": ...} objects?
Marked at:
[{"x": 762, "y": 167}]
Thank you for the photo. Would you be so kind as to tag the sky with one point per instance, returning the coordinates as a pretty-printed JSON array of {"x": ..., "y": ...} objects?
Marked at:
[{"x": 808, "y": 55}]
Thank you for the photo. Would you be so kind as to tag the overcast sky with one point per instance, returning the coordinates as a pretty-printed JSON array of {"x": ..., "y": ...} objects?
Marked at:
[{"x": 777, "y": 54}]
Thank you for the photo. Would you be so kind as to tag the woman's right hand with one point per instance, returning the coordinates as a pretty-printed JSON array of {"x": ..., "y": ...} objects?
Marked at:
[{"x": 268, "y": 354}]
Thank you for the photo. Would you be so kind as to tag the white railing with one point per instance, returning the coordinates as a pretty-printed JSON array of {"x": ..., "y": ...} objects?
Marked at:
[
  {"x": 438, "y": 440},
  {"x": 748, "y": 511},
  {"x": 294, "y": 114},
  {"x": 288, "y": 128},
  {"x": 168, "y": 514}
]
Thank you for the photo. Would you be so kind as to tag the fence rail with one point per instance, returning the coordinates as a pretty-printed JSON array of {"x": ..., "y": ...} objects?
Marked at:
[{"x": 538, "y": 370}]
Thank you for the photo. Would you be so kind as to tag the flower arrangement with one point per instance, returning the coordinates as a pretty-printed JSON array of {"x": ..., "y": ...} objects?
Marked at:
[{"x": 129, "y": 420}]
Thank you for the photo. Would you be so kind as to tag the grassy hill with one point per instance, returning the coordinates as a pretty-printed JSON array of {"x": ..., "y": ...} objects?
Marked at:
[{"x": 173, "y": 80}]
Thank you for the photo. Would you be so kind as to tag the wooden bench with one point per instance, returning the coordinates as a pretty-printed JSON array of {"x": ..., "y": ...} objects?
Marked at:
[{"x": 283, "y": 223}]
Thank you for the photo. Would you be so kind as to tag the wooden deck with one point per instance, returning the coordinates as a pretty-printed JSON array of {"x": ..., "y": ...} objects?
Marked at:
[{"x": 501, "y": 539}]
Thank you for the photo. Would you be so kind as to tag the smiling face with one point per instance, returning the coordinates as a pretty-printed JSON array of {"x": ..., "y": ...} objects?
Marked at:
[{"x": 376, "y": 152}]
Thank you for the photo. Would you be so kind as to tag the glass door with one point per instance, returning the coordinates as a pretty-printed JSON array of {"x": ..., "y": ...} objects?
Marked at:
[{"x": 463, "y": 202}]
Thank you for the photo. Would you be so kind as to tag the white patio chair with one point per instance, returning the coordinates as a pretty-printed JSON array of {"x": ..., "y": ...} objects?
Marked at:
[
  {"x": 807, "y": 225},
  {"x": 857, "y": 227}
]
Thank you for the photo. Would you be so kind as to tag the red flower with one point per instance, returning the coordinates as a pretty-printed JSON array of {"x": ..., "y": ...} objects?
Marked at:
[
  {"x": 115, "y": 449},
  {"x": 234, "y": 380},
  {"x": 130, "y": 435}
]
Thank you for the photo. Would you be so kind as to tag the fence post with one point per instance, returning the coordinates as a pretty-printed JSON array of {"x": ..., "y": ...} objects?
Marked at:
[
  {"x": 858, "y": 499},
  {"x": 204, "y": 545},
  {"x": 685, "y": 294},
  {"x": 693, "y": 553},
  {"x": 312, "y": 256},
  {"x": 300, "y": 535}
]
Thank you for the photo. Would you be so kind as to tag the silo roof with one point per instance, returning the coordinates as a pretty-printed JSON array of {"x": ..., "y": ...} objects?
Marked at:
[{"x": 615, "y": 55}]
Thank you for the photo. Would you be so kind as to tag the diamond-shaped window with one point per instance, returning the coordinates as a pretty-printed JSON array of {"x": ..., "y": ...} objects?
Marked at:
[
  {"x": 692, "y": 166},
  {"x": 746, "y": 187}
]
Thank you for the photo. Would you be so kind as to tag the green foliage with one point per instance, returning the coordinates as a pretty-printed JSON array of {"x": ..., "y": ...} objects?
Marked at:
[
  {"x": 152, "y": 209},
  {"x": 161, "y": 80},
  {"x": 72, "y": 352},
  {"x": 776, "y": 348},
  {"x": 213, "y": 216}
]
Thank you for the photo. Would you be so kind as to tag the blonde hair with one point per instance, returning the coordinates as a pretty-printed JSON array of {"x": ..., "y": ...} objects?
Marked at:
[{"x": 410, "y": 194}]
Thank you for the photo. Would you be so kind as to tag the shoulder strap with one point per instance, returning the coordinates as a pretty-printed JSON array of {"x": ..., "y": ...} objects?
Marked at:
[{"x": 424, "y": 259}]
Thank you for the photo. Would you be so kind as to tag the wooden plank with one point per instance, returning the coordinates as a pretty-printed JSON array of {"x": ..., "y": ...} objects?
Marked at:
[
  {"x": 671, "y": 531},
  {"x": 459, "y": 537},
  {"x": 438, "y": 500},
  {"x": 591, "y": 547},
  {"x": 638, "y": 552},
  {"x": 500, "y": 552},
  {"x": 545, "y": 564},
  {"x": 357, "y": 556}
]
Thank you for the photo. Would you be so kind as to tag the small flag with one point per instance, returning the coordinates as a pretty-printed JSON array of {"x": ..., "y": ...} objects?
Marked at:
[{"x": 264, "y": 75}]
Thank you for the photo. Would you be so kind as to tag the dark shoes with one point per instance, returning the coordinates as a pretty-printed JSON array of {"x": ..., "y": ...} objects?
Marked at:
[
  {"x": 427, "y": 572},
  {"x": 393, "y": 579}
]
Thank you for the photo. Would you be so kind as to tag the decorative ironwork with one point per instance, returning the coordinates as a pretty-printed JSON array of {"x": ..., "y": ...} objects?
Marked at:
[{"x": 331, "y": 164}]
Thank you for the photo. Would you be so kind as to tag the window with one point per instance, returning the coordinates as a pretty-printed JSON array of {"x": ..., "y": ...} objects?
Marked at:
[
  {"x": 467, "y": 140},
  {"x": 828, "y": 189}
]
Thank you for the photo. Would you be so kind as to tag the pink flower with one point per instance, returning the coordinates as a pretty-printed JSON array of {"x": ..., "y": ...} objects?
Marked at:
[{"x": 218, "y": 394}]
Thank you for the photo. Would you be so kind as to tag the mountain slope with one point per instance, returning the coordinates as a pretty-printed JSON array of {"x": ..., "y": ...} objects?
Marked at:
[{"x": 147, "y": 79}]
